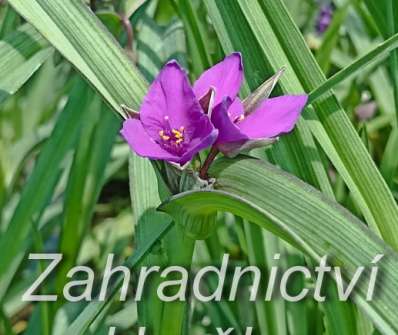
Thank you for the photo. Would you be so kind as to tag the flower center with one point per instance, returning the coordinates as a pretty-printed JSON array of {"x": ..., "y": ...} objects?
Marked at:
[{"x": 172, "y": 139}]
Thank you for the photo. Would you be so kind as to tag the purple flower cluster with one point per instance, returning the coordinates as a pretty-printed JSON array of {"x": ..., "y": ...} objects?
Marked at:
[{"x": 177, "y": 120}]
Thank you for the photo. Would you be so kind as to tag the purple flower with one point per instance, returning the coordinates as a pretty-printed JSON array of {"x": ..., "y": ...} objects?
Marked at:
[
  {"x": 324, "y": 18},
  {"x": 171, "y": 124},
  {"x": 240, "y": 129},
  {"x": 366, "y": 111},
  {"x": 176, "y": 121}
]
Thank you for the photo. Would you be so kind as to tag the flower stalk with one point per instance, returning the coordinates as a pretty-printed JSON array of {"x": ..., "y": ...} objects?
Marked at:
[{"x": 206, "y": 165}]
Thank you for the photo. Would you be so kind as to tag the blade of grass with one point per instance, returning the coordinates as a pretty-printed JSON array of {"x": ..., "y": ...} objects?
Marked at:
[
  {"x": 3, "y": 192},
  {"x": 298, "y": 152},
  {"x": 156, "y": 45},
  {"x": 44, "y": 308},
  {"x": 5, "y": 324},
  {"x": 9, "y": 21},
  {"x": 379, "y": 81},
  {"x": 40, "y": 185},
  {"x": 98, "y": 57},
  {"x": 83, "y": 40},
  {"x": 85, "y": 181},
  {"x": 379, "y": 9},
  {"x": 22, "y": 52},
  {"x": 387, "y": 27},
  {"x": 282, "y": 44},
  {"x": 268, "y": 319},
  {"x": 389, "y": 163},
  {"x": 330, "y": 38},
  {"x": 128, "y": 7},
  {"x": 94, "y": 308},
  {"x": 370, "y": 58},
  {"x": 143, "y": 177},
  {"x": 196, "y": 36}
]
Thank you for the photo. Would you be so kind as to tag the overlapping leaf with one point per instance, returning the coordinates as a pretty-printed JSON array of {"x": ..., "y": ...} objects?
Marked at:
[
  {"x": 296, "y": 212},
  {"x": 268, "y": 38},
  {"x": 21, "y": 54}
]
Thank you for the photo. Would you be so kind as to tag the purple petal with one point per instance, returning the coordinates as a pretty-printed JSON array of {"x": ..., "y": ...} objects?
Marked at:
[
  {"x": 366, "y": 111},
  {"x": 198, "y": 144},
  {"x": 273, "y": 117},
  {"x": 235, "y": 110},
  {"x": 140, "y": 142},
  {"x": 204, "y": 136},
  {"x": 226, "y": 77},
  {"x": 170, "y": 102},
  {"x": 228, "y": 130}
]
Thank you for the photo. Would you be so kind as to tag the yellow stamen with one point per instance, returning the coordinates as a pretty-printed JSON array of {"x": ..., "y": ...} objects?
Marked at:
[
  {"x": 163, "y": 136},
  {"x": 179, "y": 141},
  {"x": 177, "y": 133}
]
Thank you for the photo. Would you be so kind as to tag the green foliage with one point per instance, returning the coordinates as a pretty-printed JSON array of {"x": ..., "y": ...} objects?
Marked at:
[
  {"x": 313, "y": 224},
  {"x": 69, "y": 184}
]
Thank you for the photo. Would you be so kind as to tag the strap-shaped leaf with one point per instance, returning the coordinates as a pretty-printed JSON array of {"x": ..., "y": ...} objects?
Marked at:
[
  {"x": 82, "y": 39},
  {"x": 268, "y": 37},
  {"x": 21, "y": 53},
  {"x": 76, "y": 32},
  {"x": 40, "y": 185},
  {"x": 85, "y": 182},
  {"x": 370, "y": 58},
  {"x": 295, "y": 211},
  {"x": 94, "y": 308}
]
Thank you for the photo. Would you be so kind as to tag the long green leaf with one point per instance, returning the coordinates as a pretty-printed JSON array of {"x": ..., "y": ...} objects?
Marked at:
[
  {"x": 330, "y": 39},
  {"x": 298, "y": 152},
  {"x": 296, "y": 212},
  {"x": 85, "y": 181},
  {"x": 196, "y": 35},
  {"x": 151, "y": 226},
  {"x": 9, "y": 21},
  {"x": 370, "y": 58},
  {"x": 142, "y": 176},
  {"x": 385, "y": 17},
  {"x": 379, "y": 9},
  {"x": 266, "y": 30},
  {"x": 156, "y": 45},
  {"x": 21, "y": 54},
  {"x": 94, "y": 308},
  {"x": 40, "y": 186},
  {"x": 82, "y": 39}
]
